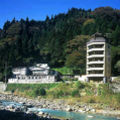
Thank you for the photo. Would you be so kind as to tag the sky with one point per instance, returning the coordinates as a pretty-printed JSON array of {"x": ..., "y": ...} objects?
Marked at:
[{"x": 39, "y": 9}]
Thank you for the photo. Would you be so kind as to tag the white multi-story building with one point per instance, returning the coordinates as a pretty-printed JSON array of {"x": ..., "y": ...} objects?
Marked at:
[{"x": 98, "y": 67}]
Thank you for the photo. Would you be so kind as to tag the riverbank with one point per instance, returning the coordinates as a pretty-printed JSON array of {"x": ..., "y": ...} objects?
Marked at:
[
  {"x": 60, "y": 104},
  {"x": 13, "y": 108},
  {"x": 71, "y": 92},
  {"x": 9, "y": 115}
]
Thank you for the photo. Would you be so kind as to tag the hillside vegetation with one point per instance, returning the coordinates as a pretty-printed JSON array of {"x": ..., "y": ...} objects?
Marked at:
[
  {"x": 59, "y": 40},
  {"x": 71, "y": 92}
]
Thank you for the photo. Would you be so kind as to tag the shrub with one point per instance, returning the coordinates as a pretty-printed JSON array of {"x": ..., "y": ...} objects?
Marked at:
[
  {"x": 75, "y": 93},
  {"x": 60, "y": 93},
  {"x": 65, "y": 79},
  {"x": 79, "y": 85},
  {"x": 117, "y": 96},
  {"x": 12, "y": 91},
  {"x": 89, "y": 91},
  {"x": 99, "y": 91},
  {"x": 91, "y": 100},
  {"x": 104, "y": 90},
  {"x": 73, "y": 79},
  {"x": 40, "y": 92},
  {"x": 69, "y": 79}
]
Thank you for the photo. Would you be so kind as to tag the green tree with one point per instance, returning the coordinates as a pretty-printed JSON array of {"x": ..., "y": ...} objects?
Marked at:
[
  {"x": 116, "y": 36},
  {"x": 117, "y": 65},
  {"x": 76, "y": 53}
]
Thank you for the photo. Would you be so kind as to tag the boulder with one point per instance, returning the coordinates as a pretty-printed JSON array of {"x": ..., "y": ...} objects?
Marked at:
[
  {"x": 93, "y": 110},
  {"x": 69, "y": 109},
  {"x": 41, "y": 113},
  {"x": 82, "y": 111}
]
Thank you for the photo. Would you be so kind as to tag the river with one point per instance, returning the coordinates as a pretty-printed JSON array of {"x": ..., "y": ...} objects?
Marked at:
[{"x": 64, "y": 114}]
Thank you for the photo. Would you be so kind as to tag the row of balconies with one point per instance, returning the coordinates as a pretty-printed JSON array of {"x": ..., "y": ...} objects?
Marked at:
[
  {"x": 95, "y": 59},
  {"x": 95, "y": 70}
]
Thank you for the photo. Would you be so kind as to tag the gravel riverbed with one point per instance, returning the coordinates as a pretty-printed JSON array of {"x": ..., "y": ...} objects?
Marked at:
[{"x": 55, "y": 105}]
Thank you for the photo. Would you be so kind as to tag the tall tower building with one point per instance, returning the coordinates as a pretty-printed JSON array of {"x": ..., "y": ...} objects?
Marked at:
[{"x": 98, "y": 66}]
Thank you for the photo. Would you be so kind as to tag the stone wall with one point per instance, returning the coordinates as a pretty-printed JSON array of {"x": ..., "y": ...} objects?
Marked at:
[{"x": 115, "y": 87}]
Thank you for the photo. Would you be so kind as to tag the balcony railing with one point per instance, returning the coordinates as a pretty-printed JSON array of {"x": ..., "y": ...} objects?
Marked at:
[
  {"x": 94, "y": 56},
  {"x": 95, "y": 75},
  {"x": 95, "y": 49},
  {"x": 94, "y": 68},
  {"x": 95, "y": 62},
  {"x": 94, "y": 42}
]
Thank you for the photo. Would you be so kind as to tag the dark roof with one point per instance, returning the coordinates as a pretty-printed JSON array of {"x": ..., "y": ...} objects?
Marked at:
[
  {"x": 97, "y": 34},
  {"x": 97, "y": 37}
]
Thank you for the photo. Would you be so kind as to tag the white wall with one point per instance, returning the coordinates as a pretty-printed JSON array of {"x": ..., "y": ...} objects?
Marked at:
[
  {"x": 81, "y": 78},
  {"x": 41, "y": 79}
]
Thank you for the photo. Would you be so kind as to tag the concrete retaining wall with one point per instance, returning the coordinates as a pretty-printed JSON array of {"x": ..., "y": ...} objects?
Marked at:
[
  {"x": 81, "y": 78},
  {"x": 2, "y": 86}
]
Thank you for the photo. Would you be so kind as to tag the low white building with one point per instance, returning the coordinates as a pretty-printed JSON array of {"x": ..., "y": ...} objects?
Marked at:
[{"x": 40, "y": 73}]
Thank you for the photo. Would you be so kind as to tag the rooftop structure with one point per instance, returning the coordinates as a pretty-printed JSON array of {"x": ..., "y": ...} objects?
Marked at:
[
  {"x": 19, "y": 71},
  {"x": 40, "y": 69},
  {"x": 98, "y": 66}
]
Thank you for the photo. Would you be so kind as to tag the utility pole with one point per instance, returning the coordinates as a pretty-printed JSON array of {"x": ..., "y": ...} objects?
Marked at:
[{"x": 6, "y": 73}]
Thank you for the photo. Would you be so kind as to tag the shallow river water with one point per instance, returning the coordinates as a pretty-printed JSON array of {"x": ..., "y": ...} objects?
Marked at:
[{"x": 64, "y": 114}]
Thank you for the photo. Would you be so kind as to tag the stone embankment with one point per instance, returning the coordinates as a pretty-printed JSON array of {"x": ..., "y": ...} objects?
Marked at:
[
  {"x": 59, "y": 105},
  {"x": 115, "y": 87}
]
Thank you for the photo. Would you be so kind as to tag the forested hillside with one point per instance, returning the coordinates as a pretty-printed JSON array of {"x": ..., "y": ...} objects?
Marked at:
[{"x": 59, "y": 40}]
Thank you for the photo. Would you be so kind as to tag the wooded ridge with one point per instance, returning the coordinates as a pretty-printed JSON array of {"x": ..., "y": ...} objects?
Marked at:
[{"x": 59, "y": 40}]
